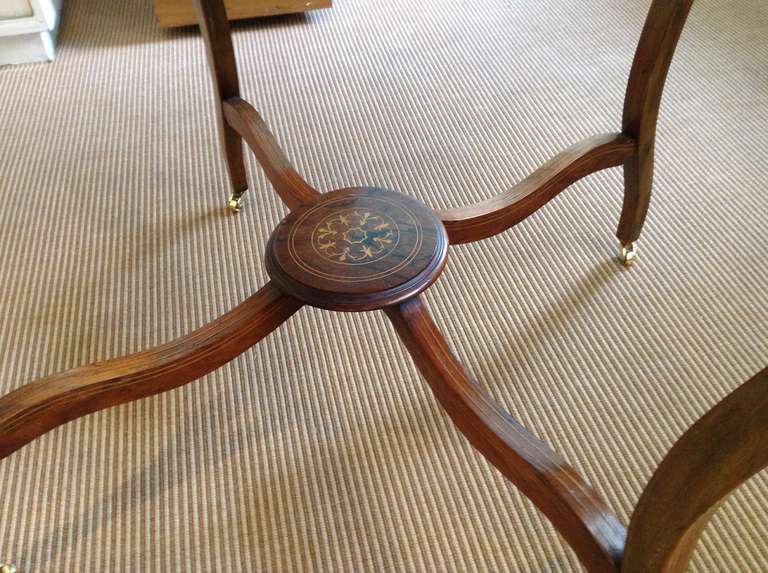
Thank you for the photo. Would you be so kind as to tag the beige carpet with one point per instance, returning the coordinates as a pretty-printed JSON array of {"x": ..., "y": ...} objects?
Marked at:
[{"x": 299, "y": 457}]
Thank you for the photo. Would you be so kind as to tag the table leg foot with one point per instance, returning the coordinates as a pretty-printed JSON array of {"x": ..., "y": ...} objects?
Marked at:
[
  {"x": 627, "y": 254},
  {"x": 235, "y": 204}
]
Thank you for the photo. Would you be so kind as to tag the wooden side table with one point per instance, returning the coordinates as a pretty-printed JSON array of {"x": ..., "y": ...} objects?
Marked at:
[
  {"x": 173, "y": 13},
  {"x": 364, "y": 248}
]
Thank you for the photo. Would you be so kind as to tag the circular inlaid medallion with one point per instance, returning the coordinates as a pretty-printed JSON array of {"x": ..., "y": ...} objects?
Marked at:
[{"x": 357, "y": 249}]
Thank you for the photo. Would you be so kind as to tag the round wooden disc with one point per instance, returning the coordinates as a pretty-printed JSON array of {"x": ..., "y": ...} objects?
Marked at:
[{"x": 357, "y": 249}]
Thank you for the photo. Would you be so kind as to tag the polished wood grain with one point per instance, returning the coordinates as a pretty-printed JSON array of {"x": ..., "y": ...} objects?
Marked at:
[
  {"x": 39, "y": 406},
  {"x": 364, "y": 248},
  {"x": 574, "y": 508},
  {"x": 214, "y": 27},
  {"x": 499, "y": 213},
  {"x": 723, "y": 449},
  {"x": 662, "y": 30},
  {"x": 172, "y": 13},
  {"x": 246, "y": 121},
  {"x": 718, "y": 453},
  {"x": 633, "y": 147},
  {"x": 357, "y": 249}
]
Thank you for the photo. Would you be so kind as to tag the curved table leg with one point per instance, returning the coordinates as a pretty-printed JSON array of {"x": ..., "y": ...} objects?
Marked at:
[
  {"x": 718, "y": 453},
  {"x": 572, "y": 506},
  {"x": 220, "y": 53},
  {"x": 661, "y": 32},
  {"x": 38, "y": 407},
  {"x": 248, "y": 124}
]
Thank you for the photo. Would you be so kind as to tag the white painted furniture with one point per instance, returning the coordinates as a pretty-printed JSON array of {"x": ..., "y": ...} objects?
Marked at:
[{"x": 28, "y": 30}]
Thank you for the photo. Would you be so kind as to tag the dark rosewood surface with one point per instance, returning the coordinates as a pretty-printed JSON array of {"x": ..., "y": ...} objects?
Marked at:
[
  {"x": 497, "y": 214},
  {"x": 357, "y": 249},
  {"x": 572, "y": 505},
  {"x": 662, "y": 30},
  {"x": 214, "y": 27},
  {"x": 723, "y": 449},
  {"x": 40, "y": 406},
  {"x": 364, "y": 248}
]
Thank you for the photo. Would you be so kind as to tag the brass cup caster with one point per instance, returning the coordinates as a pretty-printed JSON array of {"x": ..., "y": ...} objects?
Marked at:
[
  {"x": 627, "y": 254},
  {"x": 235, "y": 204},
  {"x": 7, "y": 568}
]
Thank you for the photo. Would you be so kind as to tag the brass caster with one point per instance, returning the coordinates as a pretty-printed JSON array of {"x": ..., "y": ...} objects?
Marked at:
[
  {"x": 235, "y": 204},
  {"x": 627, "y": 254},
  {"x": 7, "y": 569}
]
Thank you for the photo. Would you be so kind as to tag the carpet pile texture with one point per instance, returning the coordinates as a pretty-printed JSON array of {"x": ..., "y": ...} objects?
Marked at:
[{"x": 322, "y": 449}]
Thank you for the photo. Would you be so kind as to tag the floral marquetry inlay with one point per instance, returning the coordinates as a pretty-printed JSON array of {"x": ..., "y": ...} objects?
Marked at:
[
  {"x": 356, "y": 236},
  {"x": 357, "y": 248}
]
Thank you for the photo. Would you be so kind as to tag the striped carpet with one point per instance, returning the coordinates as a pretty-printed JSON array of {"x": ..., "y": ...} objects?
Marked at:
[{"x": 321, "y": 449}]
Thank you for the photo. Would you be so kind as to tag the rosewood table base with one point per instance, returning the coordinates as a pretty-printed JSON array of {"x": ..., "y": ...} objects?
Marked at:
[{"x": 366, "y": 249}]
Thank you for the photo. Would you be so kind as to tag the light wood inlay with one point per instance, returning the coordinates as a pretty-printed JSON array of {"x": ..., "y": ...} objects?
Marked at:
[{"x": 172, "y": 13}]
